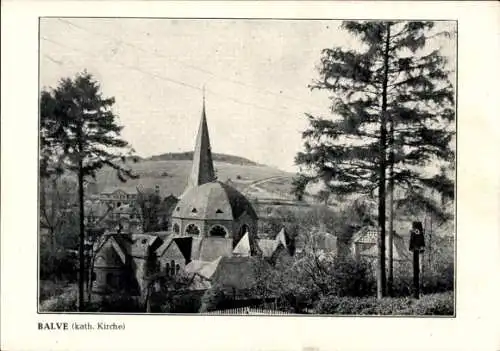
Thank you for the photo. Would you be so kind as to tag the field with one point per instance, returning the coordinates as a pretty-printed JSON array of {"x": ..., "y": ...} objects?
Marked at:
[{"x": 256, "y": 181}]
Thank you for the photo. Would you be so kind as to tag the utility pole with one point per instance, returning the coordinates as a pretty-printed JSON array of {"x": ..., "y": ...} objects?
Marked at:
[{"x": 417, "y": 244}]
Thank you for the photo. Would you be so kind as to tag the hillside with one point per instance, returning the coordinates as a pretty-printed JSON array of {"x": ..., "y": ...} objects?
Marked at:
[
  {"x": 256, "y": 181},
  {"x": 188, "y": 156}
]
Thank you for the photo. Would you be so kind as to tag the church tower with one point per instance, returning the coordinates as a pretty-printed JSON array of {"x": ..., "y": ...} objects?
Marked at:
[
  {"x": 211, "y": 212},
  {"x": 202, "y": 171}
]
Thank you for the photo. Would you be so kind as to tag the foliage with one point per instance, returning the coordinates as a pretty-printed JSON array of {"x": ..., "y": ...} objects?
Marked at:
[
  {"x": 65, "y": 301},
  {"x": 155, "y": 211},
  {"x": 79, "y": 133},
  {"x": 116, "y": 303},
  {"x": 212, "y": 299},
  {"x": 149, "y": 204},
  {"x": 185, "y": 302},
  {"x": 58, "y": 265},
  {"x": 165, "y": 292},
  {"x": 346, "y": 152},
  {"x": 394, "y": 107},
  {"x": 433, "y": 304},
  {"x": 77, "y": 124}
]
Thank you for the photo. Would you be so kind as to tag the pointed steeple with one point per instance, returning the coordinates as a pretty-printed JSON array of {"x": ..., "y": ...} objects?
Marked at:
[{"x": 203, "y": 168}]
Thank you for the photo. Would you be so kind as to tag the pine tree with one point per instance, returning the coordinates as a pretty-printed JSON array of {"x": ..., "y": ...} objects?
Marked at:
[
  {"x": 393, "y": 105},
  {"x": 79, "y": 133}
]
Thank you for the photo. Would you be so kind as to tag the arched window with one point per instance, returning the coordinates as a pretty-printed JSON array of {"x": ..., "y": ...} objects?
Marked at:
[
  {"x": 167, "y": 269},
  {"x": 176, "y": 228},
  {"x": 218, "y": 230},
  {"x": 177, "y": 268},
  {"x": 192, "y": 229}
]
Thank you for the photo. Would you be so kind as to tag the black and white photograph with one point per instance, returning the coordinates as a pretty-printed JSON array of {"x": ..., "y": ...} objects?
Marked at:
[{"x": 274, "y": 167}]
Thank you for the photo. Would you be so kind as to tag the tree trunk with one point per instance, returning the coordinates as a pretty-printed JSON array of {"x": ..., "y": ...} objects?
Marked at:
[
  {"x": 81, "y": 246},
  {"x": 81, "y": 275},
  {"x": 381, "y": 276},
  {"x": 390, "y": 238}
]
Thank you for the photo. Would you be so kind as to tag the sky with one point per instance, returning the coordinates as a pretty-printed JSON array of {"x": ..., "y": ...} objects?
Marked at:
[{"x": 255, "y": 74}]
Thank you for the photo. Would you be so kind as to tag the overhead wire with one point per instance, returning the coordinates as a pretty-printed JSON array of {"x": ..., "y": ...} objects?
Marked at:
[
  {"x": 189, "y": 66},
  {"x": 162, "y": 77}
]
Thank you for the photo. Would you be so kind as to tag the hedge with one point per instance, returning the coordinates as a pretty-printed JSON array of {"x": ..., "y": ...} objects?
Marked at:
[{"x": 433, "y": 304}]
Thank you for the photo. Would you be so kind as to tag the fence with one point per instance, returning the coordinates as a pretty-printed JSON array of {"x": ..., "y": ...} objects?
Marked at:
[{"x": 249, "y": 311}]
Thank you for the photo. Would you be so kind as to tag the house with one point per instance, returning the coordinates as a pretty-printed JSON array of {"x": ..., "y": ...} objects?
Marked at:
[
  {"x": 364, "y": 245},
  {"x": 116, "y": 197}
]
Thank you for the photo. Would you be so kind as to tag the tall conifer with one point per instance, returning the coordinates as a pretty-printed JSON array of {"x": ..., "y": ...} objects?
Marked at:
[
  {"x": 393, "y": 105},
  {"x": 79, "y": 133}
]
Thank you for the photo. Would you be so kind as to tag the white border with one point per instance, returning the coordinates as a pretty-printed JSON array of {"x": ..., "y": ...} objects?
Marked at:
[{"x": 478, "y": 195}]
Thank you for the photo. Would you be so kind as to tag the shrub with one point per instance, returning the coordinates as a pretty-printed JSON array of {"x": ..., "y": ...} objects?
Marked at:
[
  {"x": 351, "y": 278},
  {"x": 63, "y": 302},
  {"x": 58, "y": 266},
  {"x": 117, "y": 303},
  {"x": 181, "y": 303},
  {"x": 212, "y": 299},
  {"x": 434, "y": 304}
]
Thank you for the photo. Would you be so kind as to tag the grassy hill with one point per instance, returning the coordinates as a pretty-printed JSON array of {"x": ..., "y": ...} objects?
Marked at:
[
  {"x": 171, "y": 175},
  {"x": 188, "y": 156}
]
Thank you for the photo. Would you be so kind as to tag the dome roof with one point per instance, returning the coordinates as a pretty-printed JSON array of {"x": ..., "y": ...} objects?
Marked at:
[{"x": 214, "y": 200}]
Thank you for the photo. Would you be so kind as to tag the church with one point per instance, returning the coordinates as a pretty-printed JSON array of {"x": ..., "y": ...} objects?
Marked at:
[{"x": 212, "y": 238}]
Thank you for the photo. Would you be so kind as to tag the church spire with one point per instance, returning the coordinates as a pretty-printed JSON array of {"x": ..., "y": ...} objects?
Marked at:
[{"x": 203, "y": 169}]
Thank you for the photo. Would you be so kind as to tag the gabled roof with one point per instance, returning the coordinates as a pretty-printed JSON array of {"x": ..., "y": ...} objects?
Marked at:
[
  {"x": 114, "y": 189},
  {"x": 400, "y": 250},
  {"x": 282, "y": 237},
  {"x": 367, "y": 234},
  {"x": 185, "y": 246},
  {"x": 267, "y": 246},
  {"x": 208, "y": 270},
  {"x": 113, "y": 249},
  {"x": 212, "y": 248},
  {"x": 243, "y": 247},
  {"x": 235, "y": 272},
  {"x": 195, "y": 265}
]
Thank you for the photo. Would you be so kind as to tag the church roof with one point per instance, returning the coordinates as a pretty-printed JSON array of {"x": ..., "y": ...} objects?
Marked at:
[
  {"x": 203, "y": 169},
  {"x": 214, "y": 200}
]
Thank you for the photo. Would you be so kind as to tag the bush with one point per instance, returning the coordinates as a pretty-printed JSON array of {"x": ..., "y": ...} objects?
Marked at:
[
  {"x": 212, "y": 299},
  {"x": 64, "y": 302},
  {"x": 180, "y": 303},
  {"x": 351, "y": 278},
  {"x": 58, "y": 266},
  {"x": 117, "y": 303},
  {"x": 434, "y": 304}
]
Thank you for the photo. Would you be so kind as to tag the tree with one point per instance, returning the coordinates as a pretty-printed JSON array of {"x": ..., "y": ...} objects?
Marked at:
[
  {"x": 393, "y": 107},
  {"x": 57, "y": 203},
  {"x": 149, "y": 203},
  {"x": 79, "y": 133}
]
